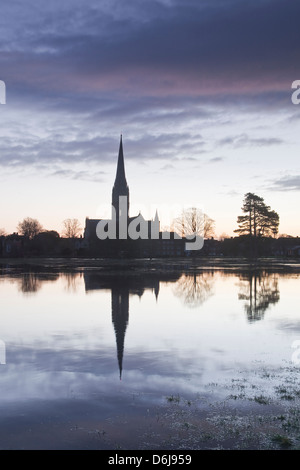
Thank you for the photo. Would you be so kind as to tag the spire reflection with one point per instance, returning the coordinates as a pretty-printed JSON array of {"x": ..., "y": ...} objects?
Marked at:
[{"x": 122, "y": 287}]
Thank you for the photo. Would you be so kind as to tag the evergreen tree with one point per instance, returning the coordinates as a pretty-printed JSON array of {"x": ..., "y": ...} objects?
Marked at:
[{"x": 259, "y": 219}]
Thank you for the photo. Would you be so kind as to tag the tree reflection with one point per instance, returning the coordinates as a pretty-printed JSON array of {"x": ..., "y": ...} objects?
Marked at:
[
  {"x": 31, "y": 282},
  {"x": 260, "y": 290},
  {"x": 195, "y": 288},
  {"x": 72, "y": 279}
]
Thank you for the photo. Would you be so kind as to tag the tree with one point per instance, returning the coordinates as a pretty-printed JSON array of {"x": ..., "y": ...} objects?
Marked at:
[
  {"x": 46, "y": 242},
  {"x": 72, "y": 228},
  {"x": 285, "y": 235},
  {"x": 194, "y": 221},
  {"x": 223, "y": 236},
  {"x": 29, "y": 228},
  {"x": 2, "y": 232},
  {"x": 259, "y": 219}
]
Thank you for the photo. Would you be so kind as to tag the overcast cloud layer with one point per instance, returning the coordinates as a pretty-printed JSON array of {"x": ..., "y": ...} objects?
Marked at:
[
  {"x": 179, "y": 79},
  {"x": 153, "y": 47},
  {"x": 152, "y": 63}
]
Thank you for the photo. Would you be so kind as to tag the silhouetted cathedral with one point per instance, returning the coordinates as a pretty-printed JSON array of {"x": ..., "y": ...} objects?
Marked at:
[
  {"x": 148, "y": 241},
  {"x": 120, "y": 187}
]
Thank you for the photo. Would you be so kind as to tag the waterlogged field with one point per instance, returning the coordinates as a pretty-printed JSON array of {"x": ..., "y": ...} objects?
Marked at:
[{"x": 141, "y": 357}]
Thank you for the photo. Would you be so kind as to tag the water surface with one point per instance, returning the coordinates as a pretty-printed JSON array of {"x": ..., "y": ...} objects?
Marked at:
[{"x": 86, "y": 350}]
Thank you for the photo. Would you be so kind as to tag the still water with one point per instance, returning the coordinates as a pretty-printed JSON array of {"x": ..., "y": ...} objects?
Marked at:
[{"x": 82, "y": 349}]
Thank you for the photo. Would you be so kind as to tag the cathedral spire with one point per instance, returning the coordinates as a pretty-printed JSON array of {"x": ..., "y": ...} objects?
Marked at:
[
  {"x": 120, "y": 180},
  {"x": 120, "y": 187}
]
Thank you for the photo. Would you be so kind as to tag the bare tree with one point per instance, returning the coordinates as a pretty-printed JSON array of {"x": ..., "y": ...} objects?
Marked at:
[
  {"x": 194, "y": 221},
  {"x": 72, "y": 228},
  {"x": 29, "y": 227},
  {"x": 223, "y": 236},
  {"x": 2, "y": 232}
]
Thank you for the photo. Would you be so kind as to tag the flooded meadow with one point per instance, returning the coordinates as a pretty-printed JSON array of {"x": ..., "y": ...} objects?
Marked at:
[{"x": 149, "y": 355}]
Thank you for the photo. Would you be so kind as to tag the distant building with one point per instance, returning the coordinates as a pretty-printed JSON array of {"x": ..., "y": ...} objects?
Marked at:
[
  {"x": 12, "y": 246},
  {"x": 149, "y": 242},
  {"x": 294, "y": 251}
]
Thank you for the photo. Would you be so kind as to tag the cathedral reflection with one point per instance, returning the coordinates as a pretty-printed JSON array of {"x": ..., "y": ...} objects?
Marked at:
[
  {"x": 120, "y": 317},
  {"x": 122, "y": 287}
]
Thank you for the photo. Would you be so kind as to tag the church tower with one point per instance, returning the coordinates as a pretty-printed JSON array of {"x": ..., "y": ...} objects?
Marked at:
[{"x": 120, "y": 187}]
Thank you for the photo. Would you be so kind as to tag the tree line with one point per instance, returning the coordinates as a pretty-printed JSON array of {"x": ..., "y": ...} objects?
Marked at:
[
  {"x": 257, "y": 220},
  {"x": 30, "y": 228}
]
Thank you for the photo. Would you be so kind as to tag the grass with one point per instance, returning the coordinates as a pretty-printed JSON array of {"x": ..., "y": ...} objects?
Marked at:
[
  {"x": 173, "y": 399},
  {"x": 262, "y": 400},
  {"x": 232, "y": 422},
  {"x": 282, "y": 441}
]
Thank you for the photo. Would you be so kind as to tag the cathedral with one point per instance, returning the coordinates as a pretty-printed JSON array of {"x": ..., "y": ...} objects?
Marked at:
[{"x": 125, "y": 236}]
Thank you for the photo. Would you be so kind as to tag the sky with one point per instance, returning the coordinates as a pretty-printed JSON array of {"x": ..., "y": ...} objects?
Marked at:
[{"x": 200, "y": 91}]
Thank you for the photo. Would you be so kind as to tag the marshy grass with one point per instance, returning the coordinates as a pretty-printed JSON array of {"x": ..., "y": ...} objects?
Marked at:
[
  {"x": 282, "y": 441},
  {"x": 261, "y": 399},
  {"x": 173, "y": 399}
]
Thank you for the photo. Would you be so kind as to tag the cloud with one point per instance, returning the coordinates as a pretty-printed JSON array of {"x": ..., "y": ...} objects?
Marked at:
[
  {"x": 151, "y": 48},
  {"x": 216, "y": 160},
  {"x": 167, "y": 167},
  {"x": 66, "y": 152},
  {"x": 35, "y": 151},
  {"x": 80, "y": 175},
  {"x": 286, "y": 183},
  {"x": 243, "y": 140},
  {"x": 88, "y": 71}
]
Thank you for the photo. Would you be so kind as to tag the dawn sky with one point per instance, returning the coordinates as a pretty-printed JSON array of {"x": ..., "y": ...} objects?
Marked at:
[{"x": 200, "y": 90}]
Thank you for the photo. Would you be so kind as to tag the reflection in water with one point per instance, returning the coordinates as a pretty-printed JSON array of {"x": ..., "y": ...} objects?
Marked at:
[
  {"x": 65, "y": 353},
  {"x": 120, "y": 316},
  {"x": 122, "y": 286},
  {"x": 195, "y": 289},
  {"x": 31, "y": 282},
  {"x": 72, "y": 279},
  {"x": 260, "y": 289}
]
